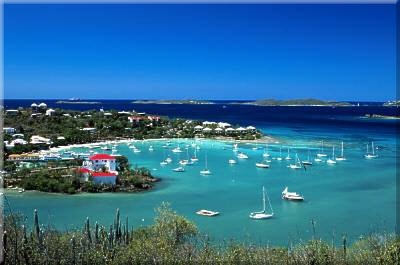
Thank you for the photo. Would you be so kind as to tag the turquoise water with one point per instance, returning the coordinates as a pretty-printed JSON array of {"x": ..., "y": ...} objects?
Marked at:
[{"x": 354, "y": 197}]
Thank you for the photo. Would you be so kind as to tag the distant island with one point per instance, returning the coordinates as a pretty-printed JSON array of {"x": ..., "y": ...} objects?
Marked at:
[
  {"x": 294, "y": 102},
  {"x": 172, "y": 101},
  {"x": 378, "y": 116},
  {"x": 394, "y": 103},
  {"x": 77, "y": 102}
]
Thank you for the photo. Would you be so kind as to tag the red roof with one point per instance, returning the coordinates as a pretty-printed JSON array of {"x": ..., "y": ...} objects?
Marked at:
[
  {"x": 103, "y": 174},
  {"x": 102, "y": 157},
  {"x": 83, "y": 170}
]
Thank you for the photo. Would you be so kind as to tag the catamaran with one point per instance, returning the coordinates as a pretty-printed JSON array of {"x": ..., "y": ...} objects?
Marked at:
[
  {"x": 308, "y": 161},
  {"x": 322, "y": 154},
  {"x": 291, "y": 196},
  {"x": 297, "y": 165},
  {"x": 368, "y": 155},
  {"x": 341, "y": 157},
  {"x": 205, "y": 171},
  {"x": 263, "y": 214},
  {"x": 332, "y": 159},
  {"x": 288, "y": 154}
]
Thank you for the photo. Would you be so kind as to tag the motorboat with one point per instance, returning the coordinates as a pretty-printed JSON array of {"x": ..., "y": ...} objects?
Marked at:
[
  {"x": 242, "y": 156},
  {"x": 291, "y": 196},
  {"x": 179, "y": 169},
  {"x": 207, "y": 213},
  {"x": 232, "y": 161}
]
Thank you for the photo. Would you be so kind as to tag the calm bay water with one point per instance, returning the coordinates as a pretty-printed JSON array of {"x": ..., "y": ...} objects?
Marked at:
[{"x": 354, "y": 197}]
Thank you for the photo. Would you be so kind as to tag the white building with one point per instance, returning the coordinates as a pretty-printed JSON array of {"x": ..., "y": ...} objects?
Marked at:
[
  {"x": 99, "y": 161},
  {"x": 36, "y": 139},
  {"x": 91, "y": 130},
  {"x": 219, "y": 130},
  {"x": 207, "y": 130},
  {"x": 104, "y": 178},
  {"x": 50, "y": 112},
  {"x": 198, "y": 128},
  {"x": 12, "y": 112},
  {"x": 42, "y": 105},
  {"x": 223, "y": 124},
  {"x": 8, "y": 130}
]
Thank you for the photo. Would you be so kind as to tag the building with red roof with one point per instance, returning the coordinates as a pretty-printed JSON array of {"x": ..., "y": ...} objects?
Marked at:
[
  {"x": 104, "y": 177},
  {"x": 101, "y": 161}
]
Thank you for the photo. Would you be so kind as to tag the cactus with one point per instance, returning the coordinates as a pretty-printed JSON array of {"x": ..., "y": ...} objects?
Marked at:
[
  {"x": 111, "y": 237},
  {"x": 96, "y": 233},
  {"x": 4, "y": 250},
  {"x": 73, "y": 249},
  {"x": 127, "y": 231},
  {"x": 87, "y": 232},
  {"x": 36, "y": 226},
  {"x": 116, "y": 224}
]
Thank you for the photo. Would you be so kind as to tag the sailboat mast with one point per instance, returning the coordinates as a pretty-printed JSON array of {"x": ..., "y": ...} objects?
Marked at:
[
  {"x": 342, "y": 148},
  {"x": 373, "y": 151},
  {"x": 269, "y": 202},
  {"x": 263, "y": 199}
]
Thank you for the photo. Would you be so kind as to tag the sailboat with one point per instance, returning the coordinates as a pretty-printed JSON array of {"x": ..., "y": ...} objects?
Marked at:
[
  {"x": 341, "y": 158},
  {"x": 177, "y": 150},
  {"x": 332, "y": 159},
  {"x": 151, "y": 148},
  {"x": 280, "y": 154},
  {"x": 368, "y": 155},
  {"x": 266, "y": 154},
  {"x": 235, "y": 147},
  {"x": 262, "y": 164},
  {"x": 232, "y": 161},
  {"x": 288, "y": 154},
  {"x": 179, "y": 169},
  {"x": 194, "y": 159},
  {"x": 242, "y": 155},
  {"x": 308, "y": 161},
  {"x": 263, "y": 214},
  {"x": 297, "y": 165},
  {"x": 205, "y": 171},
  {"x": 322, "y": 154}
]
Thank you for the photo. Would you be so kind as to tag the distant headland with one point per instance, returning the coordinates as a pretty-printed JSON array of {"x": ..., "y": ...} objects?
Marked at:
[
  {"x": 172, "y": 101},
  {"x": 294, "y": 102}
]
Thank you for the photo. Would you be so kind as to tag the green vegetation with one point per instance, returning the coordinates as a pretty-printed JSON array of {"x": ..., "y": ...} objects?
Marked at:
[
  {"x": 296, "y": 102},
  {"x": 174, "y": 240},
  {"x": 63, "y": 177},
  {"x": 173, "y": 101}
]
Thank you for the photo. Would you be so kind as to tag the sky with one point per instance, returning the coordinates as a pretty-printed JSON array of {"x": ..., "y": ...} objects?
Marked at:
[{"x": 172, "y": 51}]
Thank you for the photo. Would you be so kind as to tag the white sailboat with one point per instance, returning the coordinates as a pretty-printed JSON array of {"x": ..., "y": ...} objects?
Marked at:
[
  {"x": 232, "y": 161},
  {"x": 179, "y": 169},
  {"x": 341, "y": 157},
  {"x": 332, "y": 159},
  {"x": 288, "y": 154},
  {"x": 205, "y": 171},
  {"x": 177, "y": 150},
  {"x": 369, "y": 155},
  {"x": 195, "y": 159},
  {"x": 308, "y": 161},
  {"x": 322, "y": 154},
  {"x": 297, "y": 165},
  {"x": 266, "y": 153},
  {"x": 242, "y": 155},
  {"x": 280, "y": 154},
  {"x": 263, "y": 214},
  {"x": 262, "y": 164},
  {"x": 151, "y": 148}
]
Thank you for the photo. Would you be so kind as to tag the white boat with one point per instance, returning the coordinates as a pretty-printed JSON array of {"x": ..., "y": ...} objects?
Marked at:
[
  {"x": 207, "y": 213},
  {"x": 308, "y": 161},
  {"x": 332, "y": 159},
  {"x": 168, "y": 160},
  {"x": 298, "y": 164},
  {"x": 317, "y": 159},
  {"x": 177, "y": 150},
  {"x": 205, "y": 171},
  {"x": 263, "y": 214},
  {"x": 183, "y": 162},
  {"x": 341, "y": 157},
  {"x": 179, "y": 169},
  {"x": 242, "y": 156},
  {"x": 136, "y": 150},
  {"x": 322, "y": 154},
  {"x": 262, "y": 165},
  {"x": 232, "y": 161},
  {"x": 151, "y": 148},
  {"x": 280, "y": 154},
  {"x": 369, "y": 155},
  {"x": 163, "y": 163},
  {"x": 266, "y": 154},
  {"x": 235, "y": 147},
  {"x": 291, "y": 196},
  {"x": 288, "y": 154}
]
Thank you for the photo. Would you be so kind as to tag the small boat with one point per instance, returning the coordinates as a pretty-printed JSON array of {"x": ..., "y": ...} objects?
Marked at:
[
  {"x": 288, "y": 154},
  {"x": 242, "y": 155},
  {"x": 235, "y": 147},
  {"x": 163, "y": 163},
  {"x": 280, "y": 154},
  {"x": 262, "y": 165},
  {"x": 332, "y": 159},
  {"x": 266, "y": 154},
  {"x": 205, "y": 171},
  {"x": 232, "y": 161},
  {"x": 179, "y": 169},
  {"x": 183, "y": 162},
  {"x": 177, "y": 150},
  {"x": 369, "y": 155},
  {"x": 341, "y": 157},
  {"x": 207, "y": 213},
  {"x": 318, "y": 159},
  {"x": 263, "y": 214},
  {"x": 322, "y": 154},
  {"x": 105, "y": 148},
  {"x": 298, "y": 164},
  {"x": 291, "y": 196},
  {"x": 195, "y": 159},
  {"x": 151, "y": 148},
  {"x": 308, "y": 161},
  {"x": 168, "y": 160}
]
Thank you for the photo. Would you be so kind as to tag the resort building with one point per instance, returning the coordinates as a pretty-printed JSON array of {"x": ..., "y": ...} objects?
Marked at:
[
  {"x": 50, "y": 112},
  {"x": 223, "y": 125},
  {"x": 42, "y": 106},
  {"x": 13, "y": 112},
  {"x": 207, "y": 130},
  {"x": 230, "y": 131},
  {"x": 36, "y": 139},
  {"x": 91, "y": 130},
  {"x": 198, "y": 128},
  {"x": 34, "y": 106},
  {"x": 8, "y": 130},
  {"x": 104, "y": 178},
  {"x": 138, "y": 119},
  {"x": 100, "y": 161},
  {"x": 219, "y": 130},
  {"x": 85, "y": 173}
]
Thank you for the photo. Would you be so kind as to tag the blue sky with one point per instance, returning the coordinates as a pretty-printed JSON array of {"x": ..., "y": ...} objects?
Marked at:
[{"x": 339, "y": 52}]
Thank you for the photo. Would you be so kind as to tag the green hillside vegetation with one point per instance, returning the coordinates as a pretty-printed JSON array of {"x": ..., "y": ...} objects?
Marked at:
[{"x": 172, "y": 239}]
